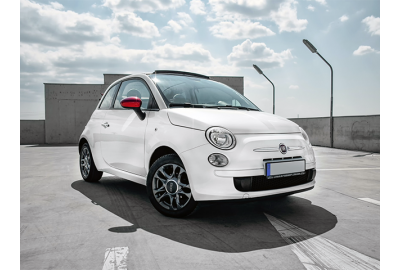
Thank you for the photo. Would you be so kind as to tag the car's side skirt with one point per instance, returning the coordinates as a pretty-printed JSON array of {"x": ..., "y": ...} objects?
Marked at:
[{"x": 126, "y": 175}]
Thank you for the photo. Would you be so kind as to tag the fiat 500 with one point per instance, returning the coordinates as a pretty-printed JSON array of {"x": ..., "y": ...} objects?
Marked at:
[{"x": 188, "y": 139}]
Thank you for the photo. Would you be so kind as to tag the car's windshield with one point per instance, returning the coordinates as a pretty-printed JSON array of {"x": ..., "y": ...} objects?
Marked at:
[{"x": 185, "y": 90}]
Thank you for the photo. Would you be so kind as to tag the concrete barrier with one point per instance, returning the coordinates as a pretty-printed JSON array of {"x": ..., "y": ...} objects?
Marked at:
[
  {"x": 32, "y": 132},
  {"x": 317, "y": 129},
  {"x": 349, "y": 132}
]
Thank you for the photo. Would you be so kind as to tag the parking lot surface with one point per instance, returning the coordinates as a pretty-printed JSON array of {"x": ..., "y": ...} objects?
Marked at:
[{"x": 67, "y": 223}]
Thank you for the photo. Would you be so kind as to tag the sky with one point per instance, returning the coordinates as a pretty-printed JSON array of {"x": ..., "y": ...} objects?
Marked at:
[{"x": 77, "y": 41}]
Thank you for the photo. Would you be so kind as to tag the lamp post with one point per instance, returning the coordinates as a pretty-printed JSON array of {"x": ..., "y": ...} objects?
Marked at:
[
  {"x": 314, "y": 50},
  {"x": 273, "y": 86}
]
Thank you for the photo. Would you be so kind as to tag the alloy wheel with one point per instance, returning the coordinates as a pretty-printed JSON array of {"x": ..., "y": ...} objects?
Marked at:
[
  {"x": 85, "y": 162},
  {"x": 171, "y": 187}
]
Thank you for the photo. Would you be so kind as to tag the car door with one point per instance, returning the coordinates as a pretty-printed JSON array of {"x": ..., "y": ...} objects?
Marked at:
[
  {"x": 97, "y": 119},
  {"x": 123, "y": 132}
]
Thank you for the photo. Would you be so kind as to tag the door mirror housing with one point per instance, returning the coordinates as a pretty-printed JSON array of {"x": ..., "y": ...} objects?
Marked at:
[{"x": 133, "y": 103}]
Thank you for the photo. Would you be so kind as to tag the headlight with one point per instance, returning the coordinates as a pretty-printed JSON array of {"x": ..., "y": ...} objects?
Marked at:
[
  {"x": 221, "y": 138},
  {"x": 305, "y": 136}
]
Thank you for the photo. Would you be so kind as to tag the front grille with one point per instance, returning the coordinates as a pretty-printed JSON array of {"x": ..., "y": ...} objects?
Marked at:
[
  {"x": 260, "y": 182},
  {"x": 282, "y": 158}
]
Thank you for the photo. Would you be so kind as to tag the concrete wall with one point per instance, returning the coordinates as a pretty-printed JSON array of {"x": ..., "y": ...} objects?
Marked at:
[
  {"x": 349, "y": 132},
  {"x": 317, "y": 129},
  {"x": 357, "y": 132},
  {"x": 32, "y": 132},
  {"x": 68, "y": 107}
]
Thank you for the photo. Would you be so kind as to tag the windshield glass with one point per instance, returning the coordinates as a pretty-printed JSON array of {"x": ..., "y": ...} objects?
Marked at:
[{"x": 178, "y": 90}]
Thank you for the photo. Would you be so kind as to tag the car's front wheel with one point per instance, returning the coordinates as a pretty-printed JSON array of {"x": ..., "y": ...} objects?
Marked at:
[
  {"x": 168, "y": 187},
  {"x": 89, "y": 171}
]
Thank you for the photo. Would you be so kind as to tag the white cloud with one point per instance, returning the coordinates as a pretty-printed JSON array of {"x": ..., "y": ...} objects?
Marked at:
[
  {"x": 240, "y": 30},
  {"x": 55, "y": 27},
  {"x": 186, "y": 52},
  {"x": 115, "y": 40},
  {"x": 343, "y": 18},
  {"x": 43, "y": 24},
  {"x": 56, "y": 5},
  {"x": 286, "y": 19},
  {"x": 374, "y": 25},
  {"x": 281, "y": 12},
  {"x": 362, "y": 50},
  {"x": 174, "y": 26},
  {"x": 322, "y": 2},
  {"x": 183, "y": 21},
  {"x": 142, "y": 6},
  {"x": 76, "y": 64},
  {"x": 249, "y": 53},
  {"x": 197, "y": 7},
  {"x": 310, "y": 7},
  {"x": 130, "y": 23},
  {"x": 185, "y": 17},
  {"x": 293, "y": 87}
]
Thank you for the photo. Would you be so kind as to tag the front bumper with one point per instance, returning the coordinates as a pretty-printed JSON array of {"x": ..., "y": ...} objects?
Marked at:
[{"x": 210, "y": 183}]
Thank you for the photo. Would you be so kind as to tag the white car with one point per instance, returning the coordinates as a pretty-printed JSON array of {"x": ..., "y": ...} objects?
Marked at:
[{"x": 190, "y": 139}]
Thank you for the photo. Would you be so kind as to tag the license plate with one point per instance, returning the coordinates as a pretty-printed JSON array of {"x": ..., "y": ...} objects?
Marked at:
[{"x": 278, "y": 169}]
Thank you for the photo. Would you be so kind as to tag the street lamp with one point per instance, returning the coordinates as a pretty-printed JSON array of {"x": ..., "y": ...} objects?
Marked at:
[
  {"x": 314, "y": 50},
  {"x": 273, "y": 86}
]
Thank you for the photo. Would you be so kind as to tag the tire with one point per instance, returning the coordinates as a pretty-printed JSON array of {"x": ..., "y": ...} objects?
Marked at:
[
  {"x": 87, "y": 167},
  {"x": 168, "y": 187}
]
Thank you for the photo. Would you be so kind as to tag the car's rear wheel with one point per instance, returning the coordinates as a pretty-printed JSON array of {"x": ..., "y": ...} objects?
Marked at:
[
  {"x": 168, "y": 187},
  {"x": 88, "y": 169}
]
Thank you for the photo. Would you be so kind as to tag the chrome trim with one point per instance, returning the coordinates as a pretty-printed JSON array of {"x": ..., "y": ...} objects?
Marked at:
[
  {"x": 295, "y": 148},
  {"x": 276, "y": 149},
  {"x": 267, "y": 149}
]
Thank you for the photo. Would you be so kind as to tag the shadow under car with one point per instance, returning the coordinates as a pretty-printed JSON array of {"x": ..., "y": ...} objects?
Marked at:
[{"x": 225, "y": 226}]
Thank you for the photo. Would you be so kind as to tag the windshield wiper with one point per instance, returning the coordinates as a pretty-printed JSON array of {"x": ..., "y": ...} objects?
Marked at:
[
  {"x": 190, "y": 105},
  {"x": 186, "y": 105},
  {"x": 237, "y": 107}
]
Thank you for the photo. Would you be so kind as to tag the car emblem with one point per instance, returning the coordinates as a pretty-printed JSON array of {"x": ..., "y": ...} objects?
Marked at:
[{"x": 283, "y": 148}]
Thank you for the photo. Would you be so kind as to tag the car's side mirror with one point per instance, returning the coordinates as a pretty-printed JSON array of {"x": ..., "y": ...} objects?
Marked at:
[{"x": 133, "y": 103}]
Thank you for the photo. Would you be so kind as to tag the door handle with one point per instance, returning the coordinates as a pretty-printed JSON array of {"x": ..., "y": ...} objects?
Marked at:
[{"x": 105, "y": 125}]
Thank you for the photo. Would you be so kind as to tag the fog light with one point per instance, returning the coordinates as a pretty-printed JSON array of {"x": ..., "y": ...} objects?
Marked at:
[{"x": 218, "y": 160}]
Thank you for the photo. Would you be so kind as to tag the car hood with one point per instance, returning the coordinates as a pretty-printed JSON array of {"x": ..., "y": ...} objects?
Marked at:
[{"x": 237, "y": 121}]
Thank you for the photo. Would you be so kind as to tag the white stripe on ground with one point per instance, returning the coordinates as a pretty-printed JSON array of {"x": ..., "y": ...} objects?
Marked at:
[
  {"x": 370, "y": 200},
  {"x": 349, "y": 169},
  {"x": 318, "y": 253},
  {"x": 116, "y": 258}
]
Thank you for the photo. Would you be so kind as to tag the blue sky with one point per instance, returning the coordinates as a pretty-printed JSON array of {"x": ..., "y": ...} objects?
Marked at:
[{"x": 77, "y": 41}]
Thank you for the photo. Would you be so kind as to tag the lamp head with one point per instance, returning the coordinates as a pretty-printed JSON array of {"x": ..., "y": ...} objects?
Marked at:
[
  {"x": 309, "y": 46},
  {"x": 258, "y": 69}
]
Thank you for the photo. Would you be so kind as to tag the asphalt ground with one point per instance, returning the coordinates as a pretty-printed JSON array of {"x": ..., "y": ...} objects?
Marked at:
[{"x": 67, "y": 223}]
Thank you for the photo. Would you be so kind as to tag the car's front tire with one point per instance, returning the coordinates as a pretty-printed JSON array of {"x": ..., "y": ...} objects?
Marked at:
[
  {"x": 168, "y": 187},
  {"x": 88, "y": 169}
]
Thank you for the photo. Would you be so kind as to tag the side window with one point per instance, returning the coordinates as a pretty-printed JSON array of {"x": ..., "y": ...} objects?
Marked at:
[
  {"x": 133, "y": 88},
  {"x": 107, "y": 100}
]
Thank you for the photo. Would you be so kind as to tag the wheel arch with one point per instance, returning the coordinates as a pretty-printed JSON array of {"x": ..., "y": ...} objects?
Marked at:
[
  {"x": 161, "y": 151},
  {"x": 82, "y": 141}
]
